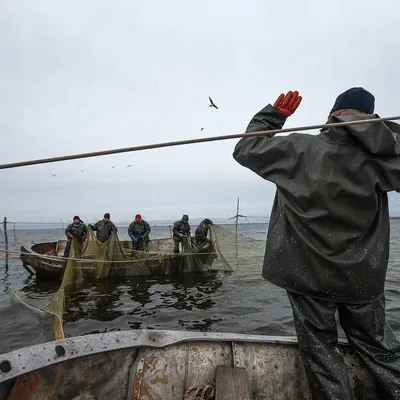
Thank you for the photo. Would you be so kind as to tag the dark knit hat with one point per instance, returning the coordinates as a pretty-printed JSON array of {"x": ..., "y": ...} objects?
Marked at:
[
  {"x": 357, "y": 98},
  {"x": 76, "y": 217},
  {"x": 107, "y": 215}
]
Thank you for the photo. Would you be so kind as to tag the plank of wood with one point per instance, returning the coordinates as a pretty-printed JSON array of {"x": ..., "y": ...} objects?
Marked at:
[{"x": 231, "y": 383}]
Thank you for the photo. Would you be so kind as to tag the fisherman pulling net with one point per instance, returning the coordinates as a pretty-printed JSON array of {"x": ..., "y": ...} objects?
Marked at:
[{"x": 94, "y": 260}]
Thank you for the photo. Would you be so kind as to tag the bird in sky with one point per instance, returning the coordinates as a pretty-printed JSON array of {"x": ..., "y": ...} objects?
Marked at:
[
  {"x": 201, "y": 129},
  {"x": 53, "y": 174},
  {"x": 212, "y": 104},
  {"x": 130, "y": 165}
]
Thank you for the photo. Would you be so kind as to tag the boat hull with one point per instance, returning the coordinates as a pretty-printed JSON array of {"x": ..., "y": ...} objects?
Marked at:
[
  {"x": 149, "y": 364},
  {"x": 46, "y": 262}
]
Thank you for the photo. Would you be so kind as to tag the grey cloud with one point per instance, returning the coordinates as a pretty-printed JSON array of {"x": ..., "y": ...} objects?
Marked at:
[{"x": 85, "y": 76}]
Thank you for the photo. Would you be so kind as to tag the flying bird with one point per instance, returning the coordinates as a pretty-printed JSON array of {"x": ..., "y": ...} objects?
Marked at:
[
  {"x": 82, "y": 171},
  {"x": 130, "y": 165},
  {"x": 112, "y": 167},
  {"x": 201, "y": 129},
  {"x": 212, "y": 104},
  {"x": 52, "y": 174}
]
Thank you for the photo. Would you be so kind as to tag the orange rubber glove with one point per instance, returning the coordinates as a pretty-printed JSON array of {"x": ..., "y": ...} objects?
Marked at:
[{"x": 287, "y": 105}]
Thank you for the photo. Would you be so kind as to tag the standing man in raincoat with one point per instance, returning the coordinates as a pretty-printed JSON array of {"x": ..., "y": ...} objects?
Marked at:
[
  {"x": 139, "y": 231},
  {"x": 104, "y": 228},
  {"x": 77, "y": 230},
  {"x": 181, "y": 232},
  {"x": 328, "y": 235}
]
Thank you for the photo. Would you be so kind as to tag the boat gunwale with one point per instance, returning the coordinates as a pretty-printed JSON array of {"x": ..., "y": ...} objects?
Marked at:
[
  {"x": 55, "y": 258},
  {"x": 32, "y": 358}
]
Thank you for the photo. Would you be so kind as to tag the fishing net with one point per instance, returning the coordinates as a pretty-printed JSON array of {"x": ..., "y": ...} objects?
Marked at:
[
  {"x": 98, "y": 261},
  {"x": 236, "y": 251}
]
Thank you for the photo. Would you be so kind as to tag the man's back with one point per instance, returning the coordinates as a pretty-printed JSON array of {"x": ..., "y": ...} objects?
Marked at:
[
  {"x": 328, "y": 236},
  {"x": 330, "y": 219}
]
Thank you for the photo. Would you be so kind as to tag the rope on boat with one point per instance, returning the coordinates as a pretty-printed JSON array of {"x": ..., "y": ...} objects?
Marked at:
[
  {"x": 60, "y": 258},
  {"x": 200, "y": 393},
  {"x": 190, "y": 141}
]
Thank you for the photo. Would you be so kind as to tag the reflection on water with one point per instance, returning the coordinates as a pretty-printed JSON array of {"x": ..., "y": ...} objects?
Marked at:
[{"x": 139, "y": 300}]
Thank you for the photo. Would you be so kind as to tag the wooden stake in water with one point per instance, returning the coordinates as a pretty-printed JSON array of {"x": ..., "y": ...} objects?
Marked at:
[
  {"x": 237, "y": 219},
  {"x": 6, "y": 240}
]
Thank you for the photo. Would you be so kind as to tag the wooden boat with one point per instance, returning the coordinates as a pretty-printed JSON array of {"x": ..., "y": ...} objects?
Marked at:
[
  {"x": 166, "y": 365},
  {"x": 45, "y": 260}
]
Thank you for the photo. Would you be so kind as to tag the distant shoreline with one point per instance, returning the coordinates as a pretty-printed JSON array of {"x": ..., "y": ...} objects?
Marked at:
[{"x": 58, "y": 225}]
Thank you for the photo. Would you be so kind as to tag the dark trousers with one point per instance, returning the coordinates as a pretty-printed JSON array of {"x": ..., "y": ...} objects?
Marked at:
[
  {"x": 367, "y": 333},
  {"x": 67, "y": 247},
  {"x": 177, "y": 239},
  {"x": 140, "y": 244}
]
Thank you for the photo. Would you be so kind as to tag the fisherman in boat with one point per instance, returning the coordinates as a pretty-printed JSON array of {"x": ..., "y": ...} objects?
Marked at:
[
  {"x": 139, "y": 231},
  {"x": 328, "y": 237},
  {"x": 104, "y": 228},
  {"x": 181, "y": 232},
  {"x": 77, "y": 230},
  {"x": 201, "y": 232}
]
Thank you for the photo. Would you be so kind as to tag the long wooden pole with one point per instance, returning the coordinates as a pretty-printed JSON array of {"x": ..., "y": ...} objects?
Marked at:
[{"x": 191, "y": 141}]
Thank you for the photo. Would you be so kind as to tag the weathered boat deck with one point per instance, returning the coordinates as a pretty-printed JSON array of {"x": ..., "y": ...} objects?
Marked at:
[{"x": 165, "y": 365}]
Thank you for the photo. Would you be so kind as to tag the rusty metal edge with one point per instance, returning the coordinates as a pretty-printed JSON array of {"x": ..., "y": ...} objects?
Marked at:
[{"x": 35, "y": 357}]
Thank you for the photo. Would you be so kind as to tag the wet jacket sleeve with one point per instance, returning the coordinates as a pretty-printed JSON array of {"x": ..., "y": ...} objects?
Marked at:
[
  {"x": 114, "y": 228},
  {"x": 68, "y": 230},
  {"x": 130, "y": 231},
  {"x": 389, "y": 174},
  {"x": 201, "y": 233},
  {"x": 95, "y": 227},
  {"x": 84, "y": 229},
  {"x": 147, "y": 231},
  {"x": 267, "y": 156},
  {"x": 175, "y": 230}
]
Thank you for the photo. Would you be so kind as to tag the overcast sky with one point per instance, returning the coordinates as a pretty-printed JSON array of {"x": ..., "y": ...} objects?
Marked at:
[{"x": 80, "y": 76}]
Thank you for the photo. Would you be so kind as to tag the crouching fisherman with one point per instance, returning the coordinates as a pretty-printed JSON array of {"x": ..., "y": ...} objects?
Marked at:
[
  {"x": 201, "y": 232},
  {"x": 104, "y": 228},
  {"x": 139, "y": 231},
  {"x": 77, "y": 230},
  {"x": 181, "y": 232}
]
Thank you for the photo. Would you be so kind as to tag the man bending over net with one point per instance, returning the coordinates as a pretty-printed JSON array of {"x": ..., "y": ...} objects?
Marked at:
[{"x": 201, "y": 232}]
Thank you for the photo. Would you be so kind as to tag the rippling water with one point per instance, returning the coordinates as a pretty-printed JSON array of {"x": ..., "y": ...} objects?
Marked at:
[{"x": 240, "y": 301}]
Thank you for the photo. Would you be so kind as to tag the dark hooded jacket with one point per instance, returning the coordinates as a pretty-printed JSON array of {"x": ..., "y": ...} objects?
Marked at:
[
  {"x": 78, "y": 230},
  {"x": 328, "y": 234},
  {"x": 104, "y": 230},
  {"x": 139, "y": 229},
  {"x": 202, "y": 231},
  {"x": 181, "y": 227}
]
